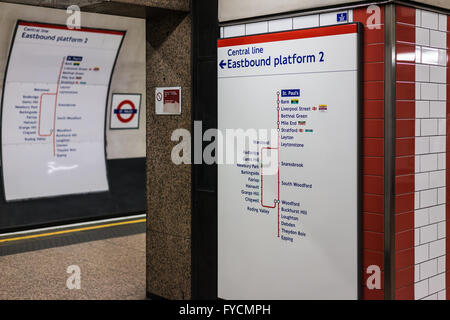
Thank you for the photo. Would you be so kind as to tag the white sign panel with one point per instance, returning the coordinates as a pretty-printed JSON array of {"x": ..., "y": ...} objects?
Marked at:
[
  {"x": 125, "y": 111},
  {"x": 53, "y": 110},
  {"x": 288, "y": 204},
  {"x": 168, "y": 100}
]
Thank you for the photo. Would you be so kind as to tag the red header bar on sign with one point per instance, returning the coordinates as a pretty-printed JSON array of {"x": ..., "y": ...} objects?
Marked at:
[
  {"x": 61, "y": 27},
  {"x": 289, "y": 35}
]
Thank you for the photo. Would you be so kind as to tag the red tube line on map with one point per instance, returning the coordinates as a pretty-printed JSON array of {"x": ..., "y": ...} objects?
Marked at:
[
  {"x": 56, "y": 103},
  {"x": 52, "y": 131},
  {"x": 261, "y": 178},
  {"x": 276, "y": 201},
  {"x": 39, "y": 121}
]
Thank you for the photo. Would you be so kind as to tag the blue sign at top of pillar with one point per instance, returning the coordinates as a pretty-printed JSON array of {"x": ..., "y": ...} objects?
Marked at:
[
  {"x": 290, "y": 93},
  {"x": 341, "y": 17}
]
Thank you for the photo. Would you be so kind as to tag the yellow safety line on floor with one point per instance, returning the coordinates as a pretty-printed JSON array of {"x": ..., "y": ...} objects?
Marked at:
[{"x": 72, "y": 230}]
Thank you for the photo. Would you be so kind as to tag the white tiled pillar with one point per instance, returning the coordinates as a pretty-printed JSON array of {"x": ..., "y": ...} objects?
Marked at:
[{"x": 430, "y": 158}]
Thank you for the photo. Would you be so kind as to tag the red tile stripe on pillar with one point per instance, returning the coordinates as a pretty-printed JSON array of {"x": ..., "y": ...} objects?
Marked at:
[
  {"x": 404, "y": 166},
  {"x": 373, "y": 148}
]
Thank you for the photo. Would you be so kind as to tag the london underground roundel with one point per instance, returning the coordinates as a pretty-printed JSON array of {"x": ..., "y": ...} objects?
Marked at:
[{"x": 125, "y": 111}]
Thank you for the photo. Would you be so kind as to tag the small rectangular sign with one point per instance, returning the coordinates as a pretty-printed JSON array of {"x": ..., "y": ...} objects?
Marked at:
[
  {"x": 74, "y": 58},
  {"x": 168, "y": 101},
  {"x": 341, "y": 17},
  {"x": 290, "y": 93}
]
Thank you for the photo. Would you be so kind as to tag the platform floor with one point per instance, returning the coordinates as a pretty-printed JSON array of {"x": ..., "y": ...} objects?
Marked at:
[{"x": 111, "y": 268}]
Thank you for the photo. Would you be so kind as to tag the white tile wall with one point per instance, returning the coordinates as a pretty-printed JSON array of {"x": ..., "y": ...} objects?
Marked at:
[
  {"x": 428, "y": 127},
  {"x": 429, "y": 20},
  {"x": 437, "y": 144},
  {"x": 442, "y": 126},
  {"x": 257, "y": 27},
  {"x": 416, "y": 200},
  {"x": 429, "y": 91},
  {"x": 418, "y": 90},
  {"x": 418, "y": 128},
  {"x": 428, "y": 198},
  {"x": 428, "y": 162},
  {"x": 442, "y": 161},
  {"x": 441, "y": 195},
  {"x": 436, "y": 283},
  {"x": 422, "y": 145},
  {"x": 442, "y": 22},
  {"x": 422, "y": 72},
  {"x": 429, "y": 55},
  {"x": 437, "y": 248},
  {"x": 416, "y": 243},
  {"x": 437, "y": 74},
  {"x": 306, "y": 22},
  {"x": 234, "y": 31},
  {"x": 274, "y": 25},
  {"x": 442, "y": 230},
  {"x": 421, "y": 289},
  {"x": 418, "y": 18},
  {"x": 428, "y": 233},
  {"x": 437, "y": 179},
  {"x": 350, "y": 15},
  {"x": 419, "y": 54},
  {"x": 442, "y": 92},
  {"x": 431, "y": 297},
  {"x": 421, "y": 218},
  {"x": 422, "y": 108},
  {"x": 438, "y": 39},
  {"x": 437, "y": 214},
  {"x": 441, "y": 264},
  {"x": 280, "y": 25},
  {"x": 428, "y": 269},
  {"x": 422, "y": 36},
  {"x": 442, "y": 57},
  {"x": 422, "y": 181},
  {"x": 417, "y": 158},
  {"x": 430, "y": 176}
]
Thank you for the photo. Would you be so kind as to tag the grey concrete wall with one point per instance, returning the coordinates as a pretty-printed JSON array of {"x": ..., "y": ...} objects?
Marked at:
[
  {"x": 168, "y": 185},
  {"x": 181, "y": 5}
]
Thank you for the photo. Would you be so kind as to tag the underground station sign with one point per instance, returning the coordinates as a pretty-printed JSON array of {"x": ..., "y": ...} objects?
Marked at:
[
  {"x": 288, "y": 201},
  {"x": 125, "y": 111}
]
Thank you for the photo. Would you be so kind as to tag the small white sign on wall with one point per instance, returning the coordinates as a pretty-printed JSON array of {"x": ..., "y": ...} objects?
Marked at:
[
  {"x": 168, "y": 100},
  {"x": 125, "y": 110}
]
